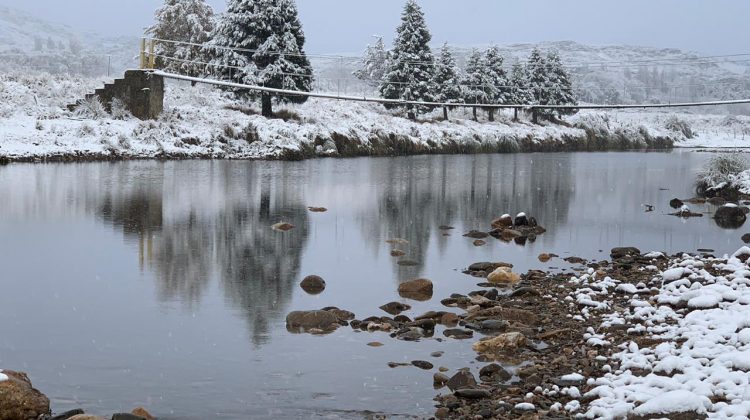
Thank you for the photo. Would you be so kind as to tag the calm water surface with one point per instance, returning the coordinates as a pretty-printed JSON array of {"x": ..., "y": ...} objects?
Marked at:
[{"x": 161, "y": 283}]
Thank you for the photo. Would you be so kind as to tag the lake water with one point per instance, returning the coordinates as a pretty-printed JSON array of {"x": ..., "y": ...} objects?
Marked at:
[{"x": 162, "y": 284}]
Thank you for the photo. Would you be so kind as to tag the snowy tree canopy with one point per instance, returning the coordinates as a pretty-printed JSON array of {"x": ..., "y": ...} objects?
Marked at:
[
  {"x": 560, "y": 85},
  {"x": 374, "y": 64},
  {"x": 410, "y": 71},
  {"x": 261, "y": 42},
  {"x": 188, "y": 21},
  {"x": 519, "y": 92},
  {"x": 447, "y": 78},
  {"x": 538, "y": 78},
  {"x": 497, "y": 86},
  {"x": 476, "y": 81}
]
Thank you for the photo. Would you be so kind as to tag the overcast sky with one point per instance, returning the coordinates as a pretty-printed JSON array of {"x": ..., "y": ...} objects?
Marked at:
[{"x": 345, "y": 26}]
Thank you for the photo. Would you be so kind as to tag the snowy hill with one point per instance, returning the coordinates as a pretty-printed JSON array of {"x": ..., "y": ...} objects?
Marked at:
[
  {"x": 19, "y": 32},
  {"x": 36, "y": 44}
]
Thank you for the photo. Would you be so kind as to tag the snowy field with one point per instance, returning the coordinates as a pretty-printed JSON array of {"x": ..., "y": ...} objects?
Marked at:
[{"x": 206, "y": 122}]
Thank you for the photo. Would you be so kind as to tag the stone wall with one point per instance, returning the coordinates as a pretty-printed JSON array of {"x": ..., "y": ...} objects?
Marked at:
[{"x": 141, "y": 92}]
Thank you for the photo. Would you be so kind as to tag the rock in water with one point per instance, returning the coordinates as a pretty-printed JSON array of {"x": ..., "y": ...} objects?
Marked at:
[
  {"x": 395, "y": 308},
  {"x": 501, "y": 343},
  {"x": 282, "y": 227},
  {"x": 422, "y": 364},
  {"x": 462, "y": 379},
  {"x": 397, "y": 253},
  {"x": 419, "y": 289},
  {"x": 19, "y": 400},
  {"x": 621, "y": 252},
  {"x": 504, "y": 221},
  {"x": 142, "y": 412},
  {"x": 475, "y": 234},
  {"x": 304, "y": 321},
  {"x": 503, "y": 275},
  {"x": 521, "y": 220},
  {"x": 730, "y": 217},
  {"x": 318, "y": 209},
  {"x": 479, "y": 242},
  {"x": 458, "y": 333},
  {"x": 544, "y": 257},
  {"x": 676, "y": 203},
  {"x": 746, "y": 238},
  {"x": 313, "y": 285},
  {"x": 439, "y": 380}
]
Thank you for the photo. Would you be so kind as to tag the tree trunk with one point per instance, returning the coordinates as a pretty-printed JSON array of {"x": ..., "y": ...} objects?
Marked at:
[
  {"x": 534, "y": 115},
  {"x": 515, "y": 114},
  {"x": 474, "y": 111},
  {"x": 412, "y": 115},
  {"x": 445, "y": 113},
  {"x": 193, "y": 83},
  {"x": 267, "y": 109},
  {"x": 491, "y": 113}
]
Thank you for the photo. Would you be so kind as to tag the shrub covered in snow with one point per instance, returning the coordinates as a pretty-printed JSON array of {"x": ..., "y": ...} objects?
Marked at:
[
  {"x": 721, "y": 170},
  {"x": 679, "y": 125}
]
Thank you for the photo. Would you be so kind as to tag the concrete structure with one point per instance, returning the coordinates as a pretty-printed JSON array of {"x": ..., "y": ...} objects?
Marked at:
[{"x": 141, "y": 91}]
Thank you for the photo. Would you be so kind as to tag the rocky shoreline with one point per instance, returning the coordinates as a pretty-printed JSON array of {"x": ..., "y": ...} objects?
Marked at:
[{"x": 551, "y": 344}]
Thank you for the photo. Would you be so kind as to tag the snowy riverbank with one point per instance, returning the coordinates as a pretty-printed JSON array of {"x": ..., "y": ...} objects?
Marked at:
[{"x": 202, "y": 122}]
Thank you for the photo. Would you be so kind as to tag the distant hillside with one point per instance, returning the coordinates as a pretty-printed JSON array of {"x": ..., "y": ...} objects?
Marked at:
[
  {"x": 35, "y": 44},
  {"x": 605, "y": 74}
]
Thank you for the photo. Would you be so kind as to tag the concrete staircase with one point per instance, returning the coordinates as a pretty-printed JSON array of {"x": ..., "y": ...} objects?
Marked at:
[{"x": 140, "y": 91}]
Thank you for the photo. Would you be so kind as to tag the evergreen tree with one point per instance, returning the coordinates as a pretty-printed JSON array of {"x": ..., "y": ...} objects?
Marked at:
[
  {"x": 476, "y": 81},
  {"x": 410, "y": 70},
  {"x": 497, "y": 89},
  {"x": 186, "y": 22},
  {"x": 560, "y": 85},
  {"x": 538, "y": 82},
  {"x": 374, "y": 64},
  {"x": 261, "y": 42},
  {"x": 447, "y": 80},
  {"x": 520, "y": 93}
]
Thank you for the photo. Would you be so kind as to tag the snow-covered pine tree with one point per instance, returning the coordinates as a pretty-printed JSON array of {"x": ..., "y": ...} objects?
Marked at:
[
  {"x": 497, "y": 90},
  {"x": 560, "y": 85},
  {"x": 261, "y": 42},
  {"x": 189, "y": 23},
  {"x": 519, "y": 92},
  {"x": 538, "y": 80},
  {"x": 447, "y": 80},
  {"x": 475, "y": 83},
  {"x": 374, "y": 64},
  {"x": 410, "y": 69}
]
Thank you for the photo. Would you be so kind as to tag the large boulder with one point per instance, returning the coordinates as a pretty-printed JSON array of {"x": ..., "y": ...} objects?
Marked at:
[
  {"x": 730, "y": 216},
  {"x": 311, "y": 321},
  {"x": 19, "y": 400},
  {"x": 419, "y": 289}
]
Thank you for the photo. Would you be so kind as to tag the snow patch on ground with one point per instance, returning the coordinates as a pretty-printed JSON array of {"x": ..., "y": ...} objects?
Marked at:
[
  {"x": 3, "y": 377},
  {"x": 701, "y": 315}
]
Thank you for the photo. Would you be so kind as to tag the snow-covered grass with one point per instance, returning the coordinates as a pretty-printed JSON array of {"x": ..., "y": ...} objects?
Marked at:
[{"x": 206, "y": 122}]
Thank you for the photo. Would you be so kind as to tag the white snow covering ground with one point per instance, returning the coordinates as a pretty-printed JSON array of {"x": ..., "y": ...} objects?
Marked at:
[
  {"x": 3, "y": 377},
  {"x": 198, "y": 122},
  {"x": 703, "y": 322}
]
